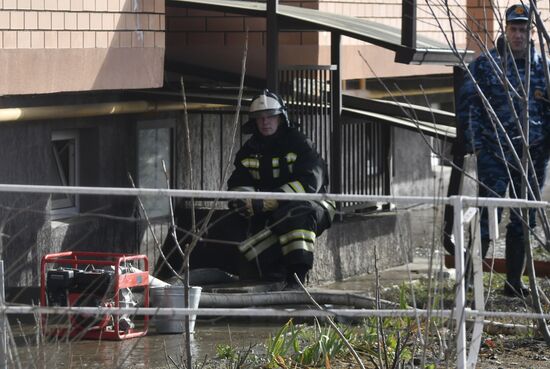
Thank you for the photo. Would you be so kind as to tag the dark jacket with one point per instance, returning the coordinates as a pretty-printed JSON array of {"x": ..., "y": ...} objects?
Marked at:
[
  {"x": 487, "y": 70},
  {"x": 284, "y": 162}
]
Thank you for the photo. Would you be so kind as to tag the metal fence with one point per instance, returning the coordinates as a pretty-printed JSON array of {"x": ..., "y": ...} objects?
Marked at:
[
  {"x": 364, "y": 148},
  {"x": 306, "y": 90},
  {"x": 461, "y": 206},
  {"x": 366, "y": 159}
]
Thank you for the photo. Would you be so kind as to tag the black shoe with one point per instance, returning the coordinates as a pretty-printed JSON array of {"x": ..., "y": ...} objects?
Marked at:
[
  {"x": 516, "y": 291},
  {"x": 300, "y": 270}
]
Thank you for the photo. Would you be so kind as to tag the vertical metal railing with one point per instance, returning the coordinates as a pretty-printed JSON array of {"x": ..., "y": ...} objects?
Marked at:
[
  {"x": 366, "y": 166},
  {"x": 306, "y": 90},
  {"x": 364, "y": 146}
]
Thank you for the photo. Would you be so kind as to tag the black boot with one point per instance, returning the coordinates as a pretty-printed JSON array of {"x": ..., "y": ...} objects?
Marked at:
[
  {"x": 301, "y": 271},
  {"x": 485, "y": 243},
  {"x": 515, "y": 264}
]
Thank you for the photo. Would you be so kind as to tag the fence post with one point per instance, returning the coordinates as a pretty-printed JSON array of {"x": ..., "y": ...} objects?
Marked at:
[
  {"x": 460, "y": 304},
  {"x": 3, "y": 322},
  {"x": 477, "y": 269}
]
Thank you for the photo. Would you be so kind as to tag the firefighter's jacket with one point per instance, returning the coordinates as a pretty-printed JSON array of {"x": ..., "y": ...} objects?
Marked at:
[
  {"x": 284, "y": 162},
  {"x": 287, "y": 162}
]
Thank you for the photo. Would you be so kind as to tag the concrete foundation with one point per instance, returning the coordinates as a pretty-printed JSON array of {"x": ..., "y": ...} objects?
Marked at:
[
  {"x": 359, "y": 245},
  {"x": 353, "y": 246}
]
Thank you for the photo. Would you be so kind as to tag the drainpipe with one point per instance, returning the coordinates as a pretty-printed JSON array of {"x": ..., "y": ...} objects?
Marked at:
[
  {"x": 94, "y": 110},
  {"x": 336, "y": 112},
  {"x": 455, "y": 180},
  {"x": 272, "y": 46},
  {"x": 408, "y": 23}
]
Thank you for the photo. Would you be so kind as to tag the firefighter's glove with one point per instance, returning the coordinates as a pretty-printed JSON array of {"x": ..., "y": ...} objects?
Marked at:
[
  {"x": 260, "y": 206},
  {"x": 270, "y": 205},
  {"x": 246, "y": 207}
]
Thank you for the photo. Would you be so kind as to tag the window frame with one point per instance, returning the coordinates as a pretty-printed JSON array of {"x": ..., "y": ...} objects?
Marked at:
[
  {"x": 65, "y": 207},
  {"x": 169, "y": 123}
]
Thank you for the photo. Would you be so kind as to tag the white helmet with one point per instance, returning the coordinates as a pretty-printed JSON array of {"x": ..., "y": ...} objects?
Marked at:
[{"x": 267, "y": 103}]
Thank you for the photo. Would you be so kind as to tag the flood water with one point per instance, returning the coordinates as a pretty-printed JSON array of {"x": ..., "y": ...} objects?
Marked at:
[{"x": 151, "y": 351}]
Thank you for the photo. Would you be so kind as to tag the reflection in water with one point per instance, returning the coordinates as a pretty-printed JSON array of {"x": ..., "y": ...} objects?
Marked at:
[{"x": 152, "y": 351}]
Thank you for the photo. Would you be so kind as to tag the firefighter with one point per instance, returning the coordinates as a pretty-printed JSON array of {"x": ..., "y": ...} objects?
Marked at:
[
  {"x": 278, "y": 158},
  {"x": 497, "y": 167}
]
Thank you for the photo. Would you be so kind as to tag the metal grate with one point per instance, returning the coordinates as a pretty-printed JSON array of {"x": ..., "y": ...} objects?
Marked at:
[
  {"x": 366, "y": 166},
  {"x": 364, "y": 148},
  {"x": 306, "y": 90}
]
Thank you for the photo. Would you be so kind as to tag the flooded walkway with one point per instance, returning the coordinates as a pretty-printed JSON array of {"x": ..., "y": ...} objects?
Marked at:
[
  {"x": 151, "y": 351},
  {"x": 159, "y": 350}
]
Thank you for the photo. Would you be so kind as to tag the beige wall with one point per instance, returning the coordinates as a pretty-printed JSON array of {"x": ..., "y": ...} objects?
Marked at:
[{"x": 72, "y": 45}]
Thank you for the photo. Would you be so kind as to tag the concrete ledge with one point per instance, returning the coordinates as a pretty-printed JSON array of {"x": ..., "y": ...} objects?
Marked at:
[
  {"x": 353, "y": 246},
  {"x": 349, "y": 248}
]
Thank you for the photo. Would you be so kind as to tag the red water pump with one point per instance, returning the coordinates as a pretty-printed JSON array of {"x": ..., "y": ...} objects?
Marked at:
[{"x": 92, "y": 279}]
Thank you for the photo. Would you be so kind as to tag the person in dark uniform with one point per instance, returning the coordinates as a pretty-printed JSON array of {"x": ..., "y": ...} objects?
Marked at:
[
  {"x": 497, "y": 146},
  {"x": 278, "y": 158}
]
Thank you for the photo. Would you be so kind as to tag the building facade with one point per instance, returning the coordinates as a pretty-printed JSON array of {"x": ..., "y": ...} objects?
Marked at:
[{"x": 83, "y": 101}]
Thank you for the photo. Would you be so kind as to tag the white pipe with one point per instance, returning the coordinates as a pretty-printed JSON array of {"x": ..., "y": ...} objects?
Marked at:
[
  {"x": 360, "y": 313},
  {"x": 460, "y": 301},
  {"x": 93, "y": 110},
  {"x": 475, "y": 342},
  {"x": 204, "y": 194}
]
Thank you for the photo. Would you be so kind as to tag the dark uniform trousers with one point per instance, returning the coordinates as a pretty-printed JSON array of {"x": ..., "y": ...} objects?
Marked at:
[{"x": 286, "y": 237}]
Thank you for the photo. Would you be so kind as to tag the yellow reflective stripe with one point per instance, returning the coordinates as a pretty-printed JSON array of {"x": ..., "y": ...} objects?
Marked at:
[
  {"x": 330, "y": 205},
  {"x": 255, "y": 173},
  {"x": 253, "y": 166},
  {"x": 254, "y": 239},
  {"x": 260, "y": 247},
  {"x": 250, "y": 163},
  {"x": 287, "y": 188},
  {"x": 302, "y": 234},
  {"x": 243, "y": 189},
  {"x": 291, "y": 157},
  {"x": 297, "y": 187},
  {"x": 275, "y": 165},
  {"x": 297, "y": 245},
  {"x": 293, "y": 187}
]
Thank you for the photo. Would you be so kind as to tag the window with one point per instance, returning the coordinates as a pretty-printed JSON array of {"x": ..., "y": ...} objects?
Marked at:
[
  {"x": 155, "y": 145},
  {"x": 65, "y": 153}
]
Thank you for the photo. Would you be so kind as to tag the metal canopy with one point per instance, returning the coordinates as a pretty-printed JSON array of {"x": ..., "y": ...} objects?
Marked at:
[
  {"x": 432, "y": 122},
  {"x": 295, "y": 18},
  {"x": 428, "y": 128}
]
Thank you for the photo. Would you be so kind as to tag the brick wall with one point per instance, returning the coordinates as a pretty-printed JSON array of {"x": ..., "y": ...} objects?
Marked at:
[
  {"x": 190, "y": 27},
  {"x": 487, "y": 21},
  {"x": 26, "y": 24},
  {"x": 36, "y": 28}
]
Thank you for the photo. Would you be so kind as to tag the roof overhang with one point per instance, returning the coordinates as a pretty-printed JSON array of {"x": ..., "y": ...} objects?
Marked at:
[
  {"x": 296, "y": 18},
  {"x": 431, "y": 122}
]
